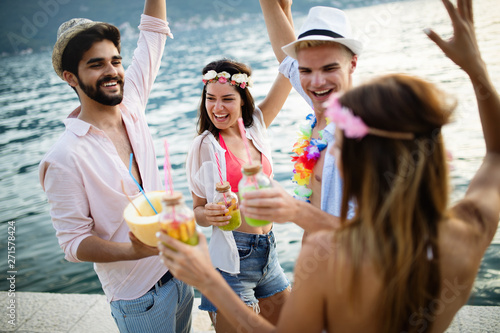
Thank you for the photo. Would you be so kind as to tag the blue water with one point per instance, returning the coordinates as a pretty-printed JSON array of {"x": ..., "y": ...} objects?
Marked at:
[{"x": 34, "y": 101}]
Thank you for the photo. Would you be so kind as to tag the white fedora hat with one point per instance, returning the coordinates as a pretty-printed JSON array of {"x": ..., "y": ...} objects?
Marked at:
[{"x": 329, "y": 24}]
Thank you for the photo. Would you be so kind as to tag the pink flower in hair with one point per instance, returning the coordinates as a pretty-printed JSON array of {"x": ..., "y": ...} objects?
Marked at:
[
  {"x": 353, "y": 126},
  {"x": 222, "y": 79},
  {"x": 243, "y": 85},
  {"x": 331, "y": 106}
]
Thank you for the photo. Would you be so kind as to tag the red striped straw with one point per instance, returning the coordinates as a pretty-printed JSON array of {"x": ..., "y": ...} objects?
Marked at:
[
  {"x": 244, "y": 138},
  {"x": 220, "y": 175}
]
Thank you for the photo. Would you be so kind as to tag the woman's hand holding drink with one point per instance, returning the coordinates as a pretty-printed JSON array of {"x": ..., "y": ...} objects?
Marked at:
[
  {"x": 177, "y": 220},
  {"x": 226, "y": 198},
  {"x": 234, "y": 212},
  {"x": 253, "y": 179}
]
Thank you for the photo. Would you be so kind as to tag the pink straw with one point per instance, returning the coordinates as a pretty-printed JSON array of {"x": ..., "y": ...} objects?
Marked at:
[
  {"x": 220, "y": 175},
  {"x": 244, "y": 137},
  {"x": 245, "y": 141},
  {"x": 167, "y": 168}
]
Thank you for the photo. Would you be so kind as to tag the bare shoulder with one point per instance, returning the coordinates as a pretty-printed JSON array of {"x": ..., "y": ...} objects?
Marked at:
[
  {"x": 319, "y": 245},
  {"x": 350, "y": 304},
  {"x": 315, "y": 256},
  {"x": 322, "y": 249},
  {"x": 478, "y": 212},
  {"x": 471, "y": 223},
  {"x": 463, "y": 240}
]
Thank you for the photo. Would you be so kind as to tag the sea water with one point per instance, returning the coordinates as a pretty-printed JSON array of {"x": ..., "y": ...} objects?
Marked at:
[{"x": 34, "y": 102}]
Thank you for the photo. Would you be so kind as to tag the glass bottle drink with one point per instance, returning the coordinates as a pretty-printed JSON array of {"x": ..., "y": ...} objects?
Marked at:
[
  {"x": 228, "y": 199},
  {"x": 253, "y": 179},
  {"x": 177, "y": 220}
]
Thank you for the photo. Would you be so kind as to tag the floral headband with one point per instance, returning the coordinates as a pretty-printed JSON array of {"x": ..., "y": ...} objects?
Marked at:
[
  {"x": 241, "y": 80},
  {"x": 353, "y": 126}
]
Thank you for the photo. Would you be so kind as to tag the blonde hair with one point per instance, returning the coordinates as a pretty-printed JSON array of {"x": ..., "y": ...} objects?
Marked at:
[
  {"x": 401, "y": 192},
  {"x": 305, "y": 44}
]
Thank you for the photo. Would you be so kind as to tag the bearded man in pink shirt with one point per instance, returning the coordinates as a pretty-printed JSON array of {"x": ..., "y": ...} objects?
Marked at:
[{"x": 82, "y": 173}]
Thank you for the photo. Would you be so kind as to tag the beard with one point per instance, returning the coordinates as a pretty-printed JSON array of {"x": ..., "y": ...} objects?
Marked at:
[{"x": 96, "y": 94}]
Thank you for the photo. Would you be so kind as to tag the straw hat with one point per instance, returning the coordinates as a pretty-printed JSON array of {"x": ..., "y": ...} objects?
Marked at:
[
  {"x": 328, "y": 24},
  {"x": 65, "y": 33}
]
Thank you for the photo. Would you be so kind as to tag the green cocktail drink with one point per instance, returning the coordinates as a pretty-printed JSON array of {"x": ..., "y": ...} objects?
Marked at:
[{"x": 253, "y": 179}]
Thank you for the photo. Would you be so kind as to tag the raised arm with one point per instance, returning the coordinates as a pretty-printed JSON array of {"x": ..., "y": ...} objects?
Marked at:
[
  {"x": 156, "y": 8},
  {"x": 481, "y": 205},
  {"x": 279, "y": 23}
]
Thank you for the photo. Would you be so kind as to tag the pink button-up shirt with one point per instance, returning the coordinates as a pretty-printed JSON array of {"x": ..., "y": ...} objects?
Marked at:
[{"x": 82, "y": 173}]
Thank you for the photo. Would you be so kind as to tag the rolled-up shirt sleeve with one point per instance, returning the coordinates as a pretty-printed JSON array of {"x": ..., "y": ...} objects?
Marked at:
[
  {"x": 69, "y": 207},
  {"x": 289, "y": 67},
  {"x": 146, "y": 61},
  {"x": 201, "y": 169}
]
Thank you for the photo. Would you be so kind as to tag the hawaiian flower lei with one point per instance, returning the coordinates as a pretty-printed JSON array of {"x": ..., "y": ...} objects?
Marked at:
[
  {"x": 308, "y": 152},
  {"x": 241, "y": 80}
]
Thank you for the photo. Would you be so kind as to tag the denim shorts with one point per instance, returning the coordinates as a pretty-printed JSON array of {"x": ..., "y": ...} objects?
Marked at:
[{"x": 260, "y": 275}]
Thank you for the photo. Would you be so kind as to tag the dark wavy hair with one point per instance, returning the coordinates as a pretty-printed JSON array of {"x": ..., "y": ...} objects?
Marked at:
[
  {"x": 83, "y": 41},
  {"x": 232, "y": 67}
]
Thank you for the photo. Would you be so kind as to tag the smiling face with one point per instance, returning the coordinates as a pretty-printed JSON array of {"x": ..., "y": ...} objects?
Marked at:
[
  {"x": 101, "y": 73},
  {"x": 223, "y": 105},
  {"x": 324, "y": 70}
]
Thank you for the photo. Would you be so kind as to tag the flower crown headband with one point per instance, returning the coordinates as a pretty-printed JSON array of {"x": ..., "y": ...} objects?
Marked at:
[
  {"x": 241, "y": 80},
  {"x": 353, "y": 126}
]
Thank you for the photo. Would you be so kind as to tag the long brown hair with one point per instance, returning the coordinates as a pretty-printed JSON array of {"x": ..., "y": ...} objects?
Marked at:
[
  {"x": 232, "y": 67},
  {"x": 400, "y": 188}
]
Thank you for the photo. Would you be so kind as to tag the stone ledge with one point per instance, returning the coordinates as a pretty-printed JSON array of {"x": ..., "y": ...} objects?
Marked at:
[
  {"x": 71, "y": 313},
  {"x": 83, "y": 313}
]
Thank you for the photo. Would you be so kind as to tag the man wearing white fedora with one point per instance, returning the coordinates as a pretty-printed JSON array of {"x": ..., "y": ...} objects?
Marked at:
[
  {"x": 320, "y": 63},
  {"x": 86, "y": 173}
]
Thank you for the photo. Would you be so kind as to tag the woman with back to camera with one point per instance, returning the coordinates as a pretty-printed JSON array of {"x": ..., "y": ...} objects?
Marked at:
[
  {"x": 245, "y": 257},
  {"x": 405, "y": 262}
]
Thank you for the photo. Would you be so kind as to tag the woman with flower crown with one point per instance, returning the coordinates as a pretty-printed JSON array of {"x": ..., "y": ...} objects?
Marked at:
[
  {"x": 245, "y": 257},
  {"x": 406, "y": 261}
]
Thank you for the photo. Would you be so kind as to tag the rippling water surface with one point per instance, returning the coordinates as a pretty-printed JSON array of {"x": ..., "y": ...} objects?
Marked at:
[{"x": 34, "y": 101}]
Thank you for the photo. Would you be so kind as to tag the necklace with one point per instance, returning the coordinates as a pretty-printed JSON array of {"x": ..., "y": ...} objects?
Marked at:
[{"x": 308, "y": 151}]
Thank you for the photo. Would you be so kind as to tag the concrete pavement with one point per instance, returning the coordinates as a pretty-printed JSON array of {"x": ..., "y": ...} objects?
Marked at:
[{"x": 83, "y": 313}]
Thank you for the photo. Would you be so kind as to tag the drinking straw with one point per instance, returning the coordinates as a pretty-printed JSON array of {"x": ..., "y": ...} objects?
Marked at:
[
  {"x": 167, "y": 168},
  {"x": 220, "y": 175},
  {"x": 136, "y": 183},
  {"x": 129, "y": 199},
  {"x": 245, "y": 141}
]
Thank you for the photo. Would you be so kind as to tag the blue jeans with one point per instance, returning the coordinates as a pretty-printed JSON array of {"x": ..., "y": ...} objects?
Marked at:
[
  {"x": 164, "y": 309},
  {"x": 260, "y": 275}
]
